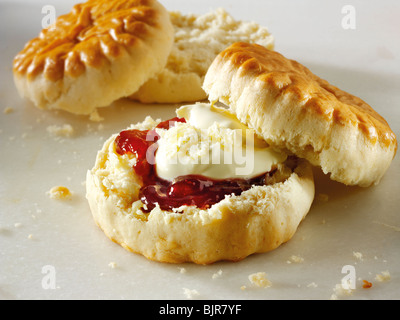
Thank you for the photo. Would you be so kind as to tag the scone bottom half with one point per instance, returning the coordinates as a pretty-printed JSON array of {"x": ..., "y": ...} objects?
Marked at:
[{"x": 194, "y": 218}]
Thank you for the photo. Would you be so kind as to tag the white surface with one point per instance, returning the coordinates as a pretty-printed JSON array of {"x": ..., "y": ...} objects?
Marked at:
[{"x": 36, "y": 231}]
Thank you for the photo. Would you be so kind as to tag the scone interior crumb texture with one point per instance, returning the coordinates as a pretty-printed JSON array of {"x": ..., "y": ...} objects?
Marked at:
[
  {"x": 258, "y": 220},
  {"x": 198, "y": 40}
]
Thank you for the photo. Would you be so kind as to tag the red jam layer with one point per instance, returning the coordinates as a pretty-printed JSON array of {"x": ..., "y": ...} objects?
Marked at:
[{"x": 190, "y": 190}]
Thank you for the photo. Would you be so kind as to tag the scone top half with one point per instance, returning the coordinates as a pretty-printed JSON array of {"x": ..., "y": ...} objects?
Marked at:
[
  {"x": 99, "y": 52},
  {"x": 296, "y": 111}
]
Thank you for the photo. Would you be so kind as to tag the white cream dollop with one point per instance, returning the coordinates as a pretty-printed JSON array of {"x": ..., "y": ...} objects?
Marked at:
[{"x": 212, "y": 143}]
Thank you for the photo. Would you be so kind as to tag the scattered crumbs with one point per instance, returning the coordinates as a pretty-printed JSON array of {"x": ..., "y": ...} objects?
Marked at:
[
  {"x": 30, "y": 236},
  {"x": 59, "y": 193},
  {"x": 217, "y": 274},
  {"x": 259, "y": 279},
  {"x": 190, "y": 294},
  {"x": 65, "y": 130},
  {"x": 322, "y": 197},
  {"x": 112, "y": 265},
  {"x": 312, "y": 285},
  {"x": 243, "y": 288},
  {"x": 17, "y": 224},
  {"x": 342, "y": 289},
  {"x": 358, "y": 255},
  {"x": 8, "y": 110},
  {"x": 94, "y": 116},
  {"x": 182, "y": 270},
  {"x": 295, "y": 259},
  {"x": 383, "y": 276},
  {"x": 367, "y": 284}
]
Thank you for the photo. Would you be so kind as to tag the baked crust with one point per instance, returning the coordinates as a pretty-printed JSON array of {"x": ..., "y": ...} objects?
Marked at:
[
  {"x": 198, "y": 40},
  {"x": 117, "y": 44},
  {"x": 258, "y": 220},
  {"x": 295, "y": 110}
]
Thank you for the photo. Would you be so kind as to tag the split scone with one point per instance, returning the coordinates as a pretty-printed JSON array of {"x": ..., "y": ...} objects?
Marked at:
[
  {"x": 198, "y": 40},
  {"x": 300, "y": 113},
  {"x": 200, "y": 187},
  {"x": 117, "y": 45}
]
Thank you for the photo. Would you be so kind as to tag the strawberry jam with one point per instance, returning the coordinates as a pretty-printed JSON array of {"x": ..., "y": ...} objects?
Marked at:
[{"x": 190, "y": 190}]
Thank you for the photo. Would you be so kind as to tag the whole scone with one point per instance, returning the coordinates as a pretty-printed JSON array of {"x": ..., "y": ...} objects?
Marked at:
[{"x": 99, "y": 52}]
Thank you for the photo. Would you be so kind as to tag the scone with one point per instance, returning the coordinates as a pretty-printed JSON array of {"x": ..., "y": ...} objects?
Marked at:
[
  {"x": 99, "y": 52},
  {"x": 201, "y": 187},
  {"x": 198, "y": 40},
  {"x": 300, "y": 113}
]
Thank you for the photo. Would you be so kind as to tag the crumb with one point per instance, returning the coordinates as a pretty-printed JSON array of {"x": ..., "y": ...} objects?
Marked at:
[
  {"x": 243, "y": 288},
  {"x": 296, "y": 259},
  {"x": 367, "y": 284},
  {"x": 17, "y": 224},
  {"x": 358, "y": 255},
  {"x": 30, "y": 236},
  {"x": 341, "y": 290},
  {"x": 182, "y": 270},
  {"x": 8, "y": 110},
  {"x": 312, "y": 285},
  {"x": 217, "y": 274},
  {"x": 59, "y": 193},
  {"x": 112, "y": 265},
  {"x": 65, "y": 130},
  {"x": 259, "y": 279},
  {"x": 383, "y": 276},
  {"x": 94, "y": 116},
  {"x": 190, "y": 294}
]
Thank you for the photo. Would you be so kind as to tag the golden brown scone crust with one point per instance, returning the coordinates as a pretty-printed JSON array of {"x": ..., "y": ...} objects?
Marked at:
[
  {"x": 294, "y": 109},
  {"x": 258, "y": 220},
  {"x": 89, "y": 43}
]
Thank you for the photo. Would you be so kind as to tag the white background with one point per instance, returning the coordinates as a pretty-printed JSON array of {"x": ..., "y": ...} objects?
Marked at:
[{"x": 36, "y": 231}]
